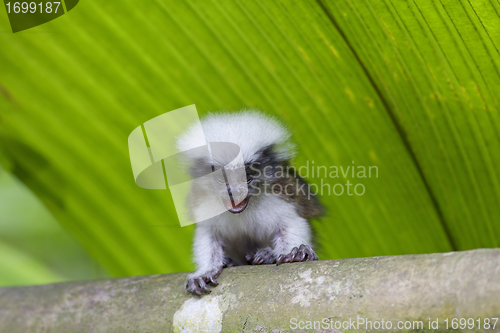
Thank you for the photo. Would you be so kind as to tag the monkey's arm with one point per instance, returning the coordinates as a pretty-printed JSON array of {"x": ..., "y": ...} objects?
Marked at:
[
  {"x": 292, "y": 241},
  {"x": 209, "y": 259}
]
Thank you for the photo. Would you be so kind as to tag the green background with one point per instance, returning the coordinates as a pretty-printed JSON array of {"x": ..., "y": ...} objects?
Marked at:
[{"x": 409, "y": 86}]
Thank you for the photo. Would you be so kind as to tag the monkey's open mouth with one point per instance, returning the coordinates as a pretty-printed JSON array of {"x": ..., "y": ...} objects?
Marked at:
[{"x": 239, "y": 208}]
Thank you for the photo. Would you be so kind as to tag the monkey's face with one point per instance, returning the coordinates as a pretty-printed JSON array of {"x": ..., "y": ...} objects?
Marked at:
[
  {"x": 232, "y": 180},
  {"x": 237, "y": 184}
]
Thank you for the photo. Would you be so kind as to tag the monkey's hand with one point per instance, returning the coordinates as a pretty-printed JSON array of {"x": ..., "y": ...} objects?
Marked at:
[
  {"x": 303, "y": 253},
  {"x": 198, "y": 283},
  {"x": 262, "y": 256}
]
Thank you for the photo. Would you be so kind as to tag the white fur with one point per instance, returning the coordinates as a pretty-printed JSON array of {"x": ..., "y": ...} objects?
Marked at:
[{"x": 249, "y": 129}]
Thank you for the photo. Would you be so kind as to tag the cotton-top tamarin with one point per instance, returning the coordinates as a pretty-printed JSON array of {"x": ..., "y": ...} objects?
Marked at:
[{"x": 267, "y": 218}]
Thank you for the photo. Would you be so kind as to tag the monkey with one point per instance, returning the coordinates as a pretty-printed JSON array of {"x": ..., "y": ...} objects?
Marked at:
[{"x": 269, "y": 223}]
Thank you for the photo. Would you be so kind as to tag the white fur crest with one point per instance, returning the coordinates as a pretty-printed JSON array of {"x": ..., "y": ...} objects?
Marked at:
[{"x": 251, "y": 130}]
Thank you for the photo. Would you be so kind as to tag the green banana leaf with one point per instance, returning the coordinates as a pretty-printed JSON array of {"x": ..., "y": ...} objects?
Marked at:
[
  {"x": 411, "y": 87},
  {"x": 34, "y": 248},
  {"x": 20, "y": 269}
]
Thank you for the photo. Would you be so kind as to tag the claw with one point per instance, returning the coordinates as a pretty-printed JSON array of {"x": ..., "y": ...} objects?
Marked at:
[
  {"x": 262, "y": 256},
  {"x": 203, "y": 285},
  {"x": 258, "y": 260},
  {"x": 192, "y": 287},
  {"x": 309, "y": 252},
  {"x": 299, "y": 256},
  {"x": 302, "y": 253},
  {"x": 199, "y": 285},
  {"x": 213, "y": 281},
  {"x": 283, "y": 259}
]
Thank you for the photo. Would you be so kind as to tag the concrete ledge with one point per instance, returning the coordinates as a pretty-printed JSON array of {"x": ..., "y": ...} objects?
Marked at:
[{"x": 267, "y": 298}]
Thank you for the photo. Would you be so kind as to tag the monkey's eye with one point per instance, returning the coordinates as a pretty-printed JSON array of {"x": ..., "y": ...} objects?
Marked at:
[{"x": 249, "y": 179}]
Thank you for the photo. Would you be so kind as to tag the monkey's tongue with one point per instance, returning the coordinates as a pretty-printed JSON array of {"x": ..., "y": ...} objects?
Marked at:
[{"x": 239, "y": 207}]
